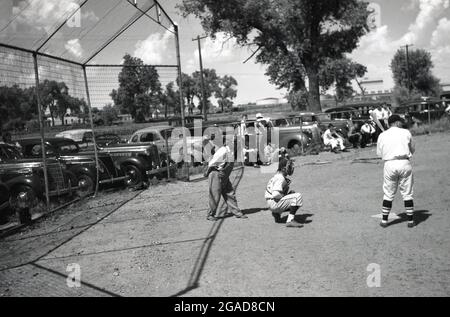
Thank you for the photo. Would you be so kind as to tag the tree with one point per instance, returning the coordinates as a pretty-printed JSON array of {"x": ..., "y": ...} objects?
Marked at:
[
  {"x": 298, "y": 100},
  {"x": 108, "y": 114},
  {"x": 340, "y": 73},
  {"x": 226, "y": 91},
  {"x": 211, "y": 81},
  {"x": 66, "y": 102},
  {"x": 293, "y": 37},
  {"x": 170, "y": 99},
  {"x": 50, "y": 92},
  {"x": 17, "y": 105},
  {"x": 423, "y": 83},
  {"x": 139, "y": 88},
  {"x": 188, "y": 86}
]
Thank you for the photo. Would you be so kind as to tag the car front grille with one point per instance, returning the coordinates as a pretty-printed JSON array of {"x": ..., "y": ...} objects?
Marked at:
[
  {"x": 106, "y": 167},
  {"x": 56, "y": 177}
]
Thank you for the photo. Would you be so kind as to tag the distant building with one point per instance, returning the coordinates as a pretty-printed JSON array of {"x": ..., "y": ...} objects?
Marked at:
[
  {"x": 268, "y": 101},
  {"x": 374, "y": 89},
  {"x": 68, "y": 120},
  {"x": 125, "y": 118},
  {"x": 445, "y": 92}
]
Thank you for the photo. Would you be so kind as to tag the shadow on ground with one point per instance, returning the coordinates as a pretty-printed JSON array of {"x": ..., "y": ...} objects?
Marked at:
[
  {"x": 303, "y": 219},
  {"x": 419, "y": 217}
]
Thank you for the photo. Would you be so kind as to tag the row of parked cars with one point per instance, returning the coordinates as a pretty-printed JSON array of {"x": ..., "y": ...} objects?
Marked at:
[{"x": 71, "y": 170}]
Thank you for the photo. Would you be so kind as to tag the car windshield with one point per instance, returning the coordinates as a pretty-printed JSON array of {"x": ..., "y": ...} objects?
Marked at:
[
  {"x": 280, "y": 123},
  {"x": 308, "y": 118}
]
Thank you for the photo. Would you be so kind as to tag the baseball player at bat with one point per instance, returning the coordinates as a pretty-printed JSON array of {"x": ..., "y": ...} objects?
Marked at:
[
  {"x": 219, "y": 169},
  {"x": 280, "y": 198},
  {"x": 395, "y": 146}
]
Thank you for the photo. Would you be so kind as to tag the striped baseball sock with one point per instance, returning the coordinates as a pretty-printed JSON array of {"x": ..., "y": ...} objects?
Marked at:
[
  {"x": 387, "y": 206},
  {"x": 409, "y": 206}
]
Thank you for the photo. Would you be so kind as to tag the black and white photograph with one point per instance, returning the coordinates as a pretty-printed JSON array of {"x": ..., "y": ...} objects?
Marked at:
[{"x": 224, "y": 154}]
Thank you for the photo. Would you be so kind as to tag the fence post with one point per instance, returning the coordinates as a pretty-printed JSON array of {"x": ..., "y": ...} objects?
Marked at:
[
  {"x": 429, "y": 119},
  {"x": 180, "y": 88},
  {"x": 41, "y": 128},
  {"x": 91, "y": 120}
]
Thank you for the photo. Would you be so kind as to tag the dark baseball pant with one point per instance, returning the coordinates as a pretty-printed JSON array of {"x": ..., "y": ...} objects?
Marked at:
[{"x": 220, "y": 185}]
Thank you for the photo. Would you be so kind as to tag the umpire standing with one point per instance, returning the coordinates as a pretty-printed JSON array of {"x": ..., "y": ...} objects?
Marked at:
[
  {"x": 395, "y": 146},
  {"x": 219, "y": 169}
]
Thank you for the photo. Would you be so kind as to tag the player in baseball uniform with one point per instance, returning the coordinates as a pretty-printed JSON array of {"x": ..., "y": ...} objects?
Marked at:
[
  {"x": 395, "y": 146},
  {"x": 280, "y": 198}
]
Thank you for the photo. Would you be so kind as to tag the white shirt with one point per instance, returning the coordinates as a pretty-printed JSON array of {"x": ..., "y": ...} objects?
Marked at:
[
  {"x": 395, "y": 143},
  {"x": 279, "y": 184},
  {"x": 221, "y": 157},
  {"x": 368, "y": 128},
  {"x": 243, "y": 128},
  {"x": 327, "y": 135},
  {"x": 377, "y": 114}
]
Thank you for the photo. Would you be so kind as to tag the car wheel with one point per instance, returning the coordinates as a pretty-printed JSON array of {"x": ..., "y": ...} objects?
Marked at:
[
  {"x": 134, "y": 175},
  {"x": 86, "y": 185},
  {"x": 296, "y": 148},
  {"x": 22, "y": 197}
]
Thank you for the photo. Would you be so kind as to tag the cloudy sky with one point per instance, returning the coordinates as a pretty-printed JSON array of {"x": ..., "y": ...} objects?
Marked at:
[{"x": 422, "y": 23}]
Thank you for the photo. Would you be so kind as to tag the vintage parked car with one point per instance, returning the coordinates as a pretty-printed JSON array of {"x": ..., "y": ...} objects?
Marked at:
[
  {"x": 164, "y": 139},
  {"x": 290, "y": 135},
  {"x": 78, "y": 135},
  {"x": 4, "y": 203},
  {"x": 82, "y": 164},
  {"x": 108, "y": 139},
  {"x": 25, "y": 177},
  {"x": 421, "y": 111},
  {"x": 138, "y": 161}
]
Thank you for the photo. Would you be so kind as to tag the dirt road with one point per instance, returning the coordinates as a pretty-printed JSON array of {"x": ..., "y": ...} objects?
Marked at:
[{"x": 159, "y": 243}]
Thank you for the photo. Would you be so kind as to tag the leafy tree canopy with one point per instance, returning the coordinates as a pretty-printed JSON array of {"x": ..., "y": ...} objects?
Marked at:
[
  {"x": 139, "y": 88},
  {"x": 293, "y": 37},
  {"x": 423, "y": 82}
]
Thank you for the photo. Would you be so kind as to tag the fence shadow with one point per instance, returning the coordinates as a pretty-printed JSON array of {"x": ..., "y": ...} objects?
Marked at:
[{"x": 202, "y": 257}]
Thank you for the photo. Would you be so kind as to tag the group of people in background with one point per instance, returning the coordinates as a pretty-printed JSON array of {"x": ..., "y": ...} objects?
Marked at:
[{"x": 362, "y": 135}]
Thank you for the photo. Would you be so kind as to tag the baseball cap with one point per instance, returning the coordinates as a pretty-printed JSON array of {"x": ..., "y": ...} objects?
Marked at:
[
  {"x": 259, "y": 116},
  {"x": 394, "y": 118}
]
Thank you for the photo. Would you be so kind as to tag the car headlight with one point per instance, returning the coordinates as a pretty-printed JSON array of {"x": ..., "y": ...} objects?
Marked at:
[{"x": 23, "y": 200}]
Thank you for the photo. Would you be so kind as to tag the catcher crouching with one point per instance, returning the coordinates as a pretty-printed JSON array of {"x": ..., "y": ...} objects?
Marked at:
[{"x": 280, "y": 198}]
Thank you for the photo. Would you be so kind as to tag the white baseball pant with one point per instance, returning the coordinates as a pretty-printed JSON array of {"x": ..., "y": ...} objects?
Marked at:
[{"x": 398, "y": 175}]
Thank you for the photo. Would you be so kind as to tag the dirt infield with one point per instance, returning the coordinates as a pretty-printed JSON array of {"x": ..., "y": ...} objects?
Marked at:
[{"x": 159, "y": 244}]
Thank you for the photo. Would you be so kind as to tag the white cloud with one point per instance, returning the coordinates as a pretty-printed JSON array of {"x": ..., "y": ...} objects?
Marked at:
[
  {"x": 153, "y": 50},
  {"x": 74, "y": 47},
  {"x": 440, "y": 49},
  {"x": 441, "y": 36},
  {"x": 410, "y": 5},
  {"x": 220, "y": 50},
  {"x": 429, "y": 11},
  {"x": 377, "y": 42},
  {"x": 377, "y": 48},
  {"x": 44, "y": 14}
]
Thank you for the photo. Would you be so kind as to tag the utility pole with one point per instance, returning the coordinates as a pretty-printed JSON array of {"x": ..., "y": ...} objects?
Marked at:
[
  {"x": 205, "y": 115},
  {"x": 407, "y": 67}
]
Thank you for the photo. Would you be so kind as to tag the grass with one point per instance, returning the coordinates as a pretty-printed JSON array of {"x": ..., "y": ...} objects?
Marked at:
[{"x": 441, "y": 125}]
